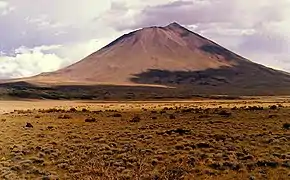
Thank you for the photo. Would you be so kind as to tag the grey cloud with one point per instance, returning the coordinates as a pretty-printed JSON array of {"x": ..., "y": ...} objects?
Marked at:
[
  {"x": 246, "y": 27},
  {"x": 16, "y": 32},
  {"x": 204, "y": 12},
  {"x": 262, "y": 42},
  {"x": 49, "y": 24}
]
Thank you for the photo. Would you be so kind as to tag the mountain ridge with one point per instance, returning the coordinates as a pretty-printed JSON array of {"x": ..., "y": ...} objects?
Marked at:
[{"x": 167, "y": 41}]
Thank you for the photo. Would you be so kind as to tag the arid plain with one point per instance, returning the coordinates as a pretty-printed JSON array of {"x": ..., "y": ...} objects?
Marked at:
[{"x": 202, "y": 139}]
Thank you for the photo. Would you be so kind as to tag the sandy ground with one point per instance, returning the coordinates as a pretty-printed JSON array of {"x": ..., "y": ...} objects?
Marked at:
[{"x": 9, "y": 106}]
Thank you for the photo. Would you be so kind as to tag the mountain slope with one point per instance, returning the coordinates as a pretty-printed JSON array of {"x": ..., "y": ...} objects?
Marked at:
[{"x": 172, "y": 56}]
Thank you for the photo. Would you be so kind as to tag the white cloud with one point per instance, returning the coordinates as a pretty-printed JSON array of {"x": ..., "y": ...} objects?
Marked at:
[
  {"x": 3, "y": 4},
  {"x": 28, "y": 62},
  {"x": 23, "y": 49},
  {"x": 5, "y": 9}
]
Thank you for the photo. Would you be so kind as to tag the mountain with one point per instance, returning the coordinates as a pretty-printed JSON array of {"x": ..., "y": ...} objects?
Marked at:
[{"x": 170, "y": 56}]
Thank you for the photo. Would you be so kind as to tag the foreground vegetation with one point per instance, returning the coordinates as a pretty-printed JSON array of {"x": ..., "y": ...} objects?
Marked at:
[{"x": 175, "y": 141}]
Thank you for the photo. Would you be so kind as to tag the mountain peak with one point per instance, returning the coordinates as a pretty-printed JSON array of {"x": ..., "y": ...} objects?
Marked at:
[
  {"x": 170, "y": 55},
  {"x": 174, "y": 25}
]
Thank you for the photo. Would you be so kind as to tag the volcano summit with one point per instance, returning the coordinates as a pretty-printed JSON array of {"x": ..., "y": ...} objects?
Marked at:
[{"x": 171, "y": 56}]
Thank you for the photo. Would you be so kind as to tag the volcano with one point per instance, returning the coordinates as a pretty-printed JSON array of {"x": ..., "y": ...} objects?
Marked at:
[{"x": 170, "y": 56}]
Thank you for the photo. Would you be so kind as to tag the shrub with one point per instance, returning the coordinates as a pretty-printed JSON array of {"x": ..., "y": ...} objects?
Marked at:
[
  {"x": 90, "y": 120},
  {"x": 225, "y": 113},
  {"x": 171, "y": 116},
  {"x": 117, "y": 115},
  {"x": 254, "y": 108},
  {"x": 175, "y": 173},
  {"x": 65, "y": 116},
  {"x": 274, "y": 107},
  {"x": 29, "y": 125},
  {"x": 136, "y": 119},
  {"x": 286, "y": 126},
  {"x": 73, "y": 110},
  {"x": 85, "y": 110}
]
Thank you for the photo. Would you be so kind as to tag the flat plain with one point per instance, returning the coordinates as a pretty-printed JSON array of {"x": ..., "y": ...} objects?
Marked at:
[{"x": 204, "y": 139}]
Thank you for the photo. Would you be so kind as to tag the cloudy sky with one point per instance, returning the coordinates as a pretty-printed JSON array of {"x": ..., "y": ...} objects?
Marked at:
[{"x": 45, "y": 35}]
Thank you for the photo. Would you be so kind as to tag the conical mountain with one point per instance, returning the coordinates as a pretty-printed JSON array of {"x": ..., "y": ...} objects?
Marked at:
[{"x": 170, "y": 55}]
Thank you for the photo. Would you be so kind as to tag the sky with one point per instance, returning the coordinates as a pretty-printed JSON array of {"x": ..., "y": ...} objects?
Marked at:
[{"x": 41, "y": 36}]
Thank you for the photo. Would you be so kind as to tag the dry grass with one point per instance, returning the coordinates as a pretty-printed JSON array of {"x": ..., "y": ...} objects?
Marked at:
[{"x": 150, "y": 141}]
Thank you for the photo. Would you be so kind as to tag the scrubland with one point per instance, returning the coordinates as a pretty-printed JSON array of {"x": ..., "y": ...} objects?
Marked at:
[{"x": 172, "y": 140}]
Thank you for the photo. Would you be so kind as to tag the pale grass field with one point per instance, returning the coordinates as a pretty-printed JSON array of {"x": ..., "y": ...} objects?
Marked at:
[
  {"x": 9, "y": 106},
  {"x": 165, "y": 140}
]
